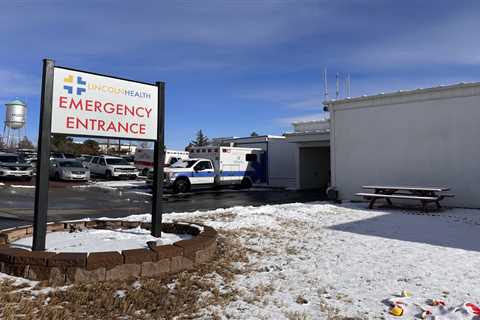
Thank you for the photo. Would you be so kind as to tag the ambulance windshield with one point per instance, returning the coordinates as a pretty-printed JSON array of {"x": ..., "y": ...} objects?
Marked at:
[{"x": 183, "y": 164}]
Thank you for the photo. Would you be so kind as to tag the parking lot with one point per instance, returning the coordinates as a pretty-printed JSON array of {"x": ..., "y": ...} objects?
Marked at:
[{"x": 118, "y": 198}]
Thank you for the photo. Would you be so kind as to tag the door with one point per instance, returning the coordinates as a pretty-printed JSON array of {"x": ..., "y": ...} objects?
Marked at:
[
  {"x": 314, "y": 167},
  {"x": 102, "y": 166},
  {"x": 203, "y": 173},
  {"x": 94, "y": 165}
]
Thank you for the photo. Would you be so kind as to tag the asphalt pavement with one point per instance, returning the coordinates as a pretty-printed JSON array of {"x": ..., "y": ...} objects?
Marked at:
[{"x": 78, "y": 200}]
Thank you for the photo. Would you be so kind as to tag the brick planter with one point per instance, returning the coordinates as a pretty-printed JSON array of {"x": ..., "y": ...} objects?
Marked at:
[{"x": 156, "y": 261}]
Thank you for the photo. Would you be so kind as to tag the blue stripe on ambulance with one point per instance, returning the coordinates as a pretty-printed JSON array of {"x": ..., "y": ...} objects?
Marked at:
[{"x": 251, "y": 174}]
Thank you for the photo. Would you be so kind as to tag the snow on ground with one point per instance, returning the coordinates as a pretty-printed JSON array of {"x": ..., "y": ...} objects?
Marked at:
[
  {"x": 317, "y": 260},
  {"x": 114, "y": 184},
  {"x": 18, "y": 281},
  {"x": 90, "y": 240},
  {"x": 319, "y": 257},
  {"x": 21, "y": 186}
]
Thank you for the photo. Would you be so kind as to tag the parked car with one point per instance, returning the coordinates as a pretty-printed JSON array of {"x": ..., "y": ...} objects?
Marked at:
[
  {"x": 129, "y": 159},
  {"x": 85, "y": 159},
  {"x": 68, "y": 169},
  {"x": 12, "y": 166},
  {"x": 112, "y": 167},
  {"x": 29, "y": 157}
]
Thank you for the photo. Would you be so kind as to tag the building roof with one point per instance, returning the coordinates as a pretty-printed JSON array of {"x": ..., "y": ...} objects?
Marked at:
[
  {"x": 320, "y": 120},
  {"x": 399, "y": 93},
  {"x": 269, "y": 136}
]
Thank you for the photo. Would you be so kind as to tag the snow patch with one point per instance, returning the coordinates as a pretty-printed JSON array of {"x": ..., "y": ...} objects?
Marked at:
[{"x": 96, "y": 240}]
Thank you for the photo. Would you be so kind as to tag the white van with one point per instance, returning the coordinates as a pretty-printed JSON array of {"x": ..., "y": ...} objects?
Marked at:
[{"x": 144, "y": 158}]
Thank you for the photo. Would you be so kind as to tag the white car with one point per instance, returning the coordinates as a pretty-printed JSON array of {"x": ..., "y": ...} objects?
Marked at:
[
  {"x": 68, "y": 169},
  {"x": 11, "y": 166},
  {"x": 112, "y": 167}
]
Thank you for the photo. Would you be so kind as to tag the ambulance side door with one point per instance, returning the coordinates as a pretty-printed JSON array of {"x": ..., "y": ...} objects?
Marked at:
[{"x": 203, "y": 173}]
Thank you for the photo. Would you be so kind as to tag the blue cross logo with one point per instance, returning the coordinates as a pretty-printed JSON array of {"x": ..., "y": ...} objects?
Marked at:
[{"x": 68, "y": 85}]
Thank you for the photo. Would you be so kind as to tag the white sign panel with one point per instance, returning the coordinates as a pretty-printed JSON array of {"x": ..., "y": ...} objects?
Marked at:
[{"x": 93, "y": 105}]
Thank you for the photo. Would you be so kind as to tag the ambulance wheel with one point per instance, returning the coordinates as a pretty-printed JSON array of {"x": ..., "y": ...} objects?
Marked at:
[
  {"x": 246, "y": 183},
  {"x": 181, "y": 186}
]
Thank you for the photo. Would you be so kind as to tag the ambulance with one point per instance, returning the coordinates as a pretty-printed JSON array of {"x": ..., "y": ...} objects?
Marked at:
[
  {"x": 215, "y": 166},
  {"x": 144, "y": 158}
]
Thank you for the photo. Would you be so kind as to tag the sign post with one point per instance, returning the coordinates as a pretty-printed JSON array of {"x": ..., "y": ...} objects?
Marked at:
[
  {"x": 159, "y": 160},
  {"x": 80, "y": 103},
  {"x": 41, "y": 182}
]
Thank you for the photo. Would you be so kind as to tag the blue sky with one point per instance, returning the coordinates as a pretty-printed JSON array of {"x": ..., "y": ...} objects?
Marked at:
[{"x": 233, "y": 67}]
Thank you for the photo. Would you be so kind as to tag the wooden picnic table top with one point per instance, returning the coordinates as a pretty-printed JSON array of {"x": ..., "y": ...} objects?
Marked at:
[{"x": 410, "y": 188}]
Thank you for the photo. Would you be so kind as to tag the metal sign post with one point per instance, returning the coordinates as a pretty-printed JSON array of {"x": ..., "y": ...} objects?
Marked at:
[
  {"x": 41, "y": 183},
  {"x": 158, "y": 163}
]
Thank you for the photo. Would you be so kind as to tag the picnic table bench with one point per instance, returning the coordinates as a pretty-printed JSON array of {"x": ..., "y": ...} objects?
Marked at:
[{"x": 425, "y": 195}]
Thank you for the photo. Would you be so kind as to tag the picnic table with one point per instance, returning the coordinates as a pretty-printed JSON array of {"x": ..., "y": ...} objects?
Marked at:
[{"x": 425, "y": 195}]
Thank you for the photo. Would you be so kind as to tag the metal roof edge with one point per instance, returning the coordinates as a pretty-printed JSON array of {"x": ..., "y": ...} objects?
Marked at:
[{"x": 400, "y": 93}]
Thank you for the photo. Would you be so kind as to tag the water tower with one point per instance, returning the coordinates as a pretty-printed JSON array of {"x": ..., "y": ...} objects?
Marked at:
[{"x": 14, "y": 127}]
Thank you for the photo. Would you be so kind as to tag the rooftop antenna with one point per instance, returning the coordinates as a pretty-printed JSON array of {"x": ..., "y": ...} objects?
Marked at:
[
  {"x": 337, "y": 92},
  {"x": 348, "y": 85},
  {"x": 325, "y": 84}
]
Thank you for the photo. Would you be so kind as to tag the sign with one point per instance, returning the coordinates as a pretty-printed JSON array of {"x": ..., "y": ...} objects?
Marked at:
[
  {"x": 79, "y": 103},
  {"x": 88, "y": 104}
]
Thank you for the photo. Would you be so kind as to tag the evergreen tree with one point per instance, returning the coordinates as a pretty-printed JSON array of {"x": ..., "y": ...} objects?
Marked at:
[
  {"x": 201, "y": 140},
  {"x": 253, "y": 134},
  {"x": 25, "y": 144},
  {"x": 90, "y": 147}
]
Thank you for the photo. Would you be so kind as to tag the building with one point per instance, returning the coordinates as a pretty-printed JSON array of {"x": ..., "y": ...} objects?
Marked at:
[
  {"x": 424, "y": 137},
  {"x": 280, "y": 171},
  {"x": 311, "y": 154}
]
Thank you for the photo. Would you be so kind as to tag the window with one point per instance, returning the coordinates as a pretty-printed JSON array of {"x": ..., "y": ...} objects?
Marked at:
[
  {"x": 183, "y": 164},
  {"x": 95, "y": 160},
  {"x": 116, "y": 161},
  {"x": 71, "y": 164},
  {"x": 102, "y": 162},
  {"x": 9, "y": 159},
  {"x": 203, "y": 165},
  {"x": 251, "y": 157}
]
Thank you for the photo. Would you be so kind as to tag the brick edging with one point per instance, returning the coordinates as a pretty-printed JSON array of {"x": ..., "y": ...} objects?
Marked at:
[{"x": 155, "y": 261}]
